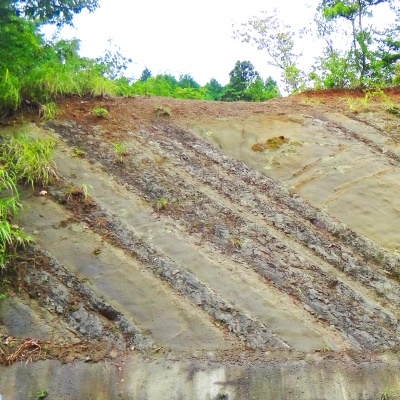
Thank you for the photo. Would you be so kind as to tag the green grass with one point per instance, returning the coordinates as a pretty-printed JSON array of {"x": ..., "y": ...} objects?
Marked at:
[
  {"x": 31, "y": 159},
  {"x": 161, "y": 203},
  {"x": 11, "y": 236},
  {"x": 78, "y": 193},
  {"x": 10, "y": 87},
  {"x": 23, "y": 159},
  {"x": 100, "y": 112},
  {"x": 120, "y": 151},
  {"x": 49, "y": 111}
]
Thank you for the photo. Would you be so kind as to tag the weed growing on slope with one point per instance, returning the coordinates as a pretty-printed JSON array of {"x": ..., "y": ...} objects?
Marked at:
[
  {"x": 42, "y": 394},
  {"x": 11, "y": 236},
  {"x": 100, "y": 112},
  {"x": 390, "y": 394},
  {"x": 25, "y": 159},
  {"x": 30, "y": 158},
  {"x": 120, "y": 152},
  {"x": 48, "y": 111},
  {"x": 78, "y": 153},
  {"x": 77, "y": 193},
  {"x": 236, "y": 242},
  {"x": 163, "y": 111},
  {"x": 161, "y": 203}
]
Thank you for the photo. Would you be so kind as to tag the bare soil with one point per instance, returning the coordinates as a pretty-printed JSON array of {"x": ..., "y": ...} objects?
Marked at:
[{"x": 266, "y": 231}]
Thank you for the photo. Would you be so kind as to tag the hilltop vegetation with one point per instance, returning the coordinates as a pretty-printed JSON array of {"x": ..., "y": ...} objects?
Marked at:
[
  {"x": 34, "y": 72},
  {"x": 361, "y": 50}
]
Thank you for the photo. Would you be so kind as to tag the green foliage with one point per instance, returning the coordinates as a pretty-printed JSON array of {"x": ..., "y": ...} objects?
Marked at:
[
  {"x": 160, "y": 85},
  {"x": 48, "y": 111},
  {"x": 161, "y": 203},
  {"x": 334, "y": 71},
  {"x": 9, "y": 93},
  {"x": 269, "y": 34},
  {"x": 78, "y": 153},
  {"x": 78, "y": 193},
  {"x": 214, "y": 90},
  {"x": 187, "y": 81},
  {"x": 166, "y": 85},
  {"x": 100, "y": 112},
  {"x": 390, "y": 393},
  {"x": 146, "y": 74},
  {"x": 240, "y": 78},
  {"x": 11, "y": 236},
  {"x": 42, "y": 394},
  {"x": 393, "y": 109},
  {"x": 47, "y": 11},
  {"x": 113, "y": 64},
  {"x": 246, "y": 84},
  {"x": 363, "y": 104},
  {"x": 261, "y": 90},
  {"x": 340, "y": 9},
  {"x": 371, "y": 56},
  {"x": 9, "y": 206},
  {"x": 36, "y": 73},
  {"x": 121, "y": 151},
  {"x": 30, "y": 158}
]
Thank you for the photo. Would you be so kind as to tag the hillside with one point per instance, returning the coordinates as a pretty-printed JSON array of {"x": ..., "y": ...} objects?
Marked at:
[{"x": 231, "y": 250}]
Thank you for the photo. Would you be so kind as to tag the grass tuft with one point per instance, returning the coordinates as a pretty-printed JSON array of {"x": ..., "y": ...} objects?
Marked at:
[{"x": 30, "y": 158}]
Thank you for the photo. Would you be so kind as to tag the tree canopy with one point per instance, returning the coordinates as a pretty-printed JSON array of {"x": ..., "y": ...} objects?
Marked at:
[
  {"x": 246, "y": 84},
  {"x": 46, "y": 11},
  {"x": 358, "y": 52}
]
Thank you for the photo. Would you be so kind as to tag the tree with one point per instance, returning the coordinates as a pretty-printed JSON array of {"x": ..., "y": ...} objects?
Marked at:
[
  {"x": 262, "y": 91},
  {"x": 371, "y": 54},
  {"x": 112, "y": 64},
  {"x": 246, "y": 84},
  {"x": 214, "y": 89},
  {"x": 146, "y": 74},
  {"x": 240, "y": 78},
  {"x": 268, "y": 33},
  {"x": 187, "y": 81},
  {"x": 46, "y": 11}
]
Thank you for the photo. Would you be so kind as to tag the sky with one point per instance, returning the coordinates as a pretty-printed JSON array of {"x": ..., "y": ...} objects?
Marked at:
[{"x": 182, "y": 36}]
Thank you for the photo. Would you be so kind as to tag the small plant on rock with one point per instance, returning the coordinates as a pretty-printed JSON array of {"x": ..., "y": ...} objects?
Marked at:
[
  {"x": 390, "y": 394},
  {"x": 236, "y": 242},
  {"x": 161, "y": 203},
  {"x": 163, "y": 111},
  {"x": 121, "y": 151},
  {"x": 77, "y": 193},
  {"x": 42, "y": 394},
  {"x": 100, "y": 112},
  {"x": 393, "y": 109},
  {"x": 78, "y": 153}
]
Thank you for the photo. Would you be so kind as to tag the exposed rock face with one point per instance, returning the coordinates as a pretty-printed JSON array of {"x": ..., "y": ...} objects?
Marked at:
[{"x": 193, "y": 243}]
